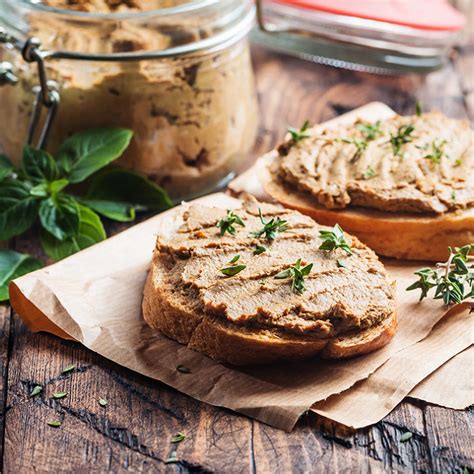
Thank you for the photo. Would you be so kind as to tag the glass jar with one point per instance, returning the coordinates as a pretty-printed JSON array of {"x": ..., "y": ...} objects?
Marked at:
[{"x": 179, "y": 75}]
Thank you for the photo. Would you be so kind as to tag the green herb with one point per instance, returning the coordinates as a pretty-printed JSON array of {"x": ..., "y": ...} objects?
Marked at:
[
  {"x": 437, "y": 151},
  {"x": 270, "y": 228},
  {"x": 14, "y": 265},
  {"x": 6, "y": 167},
  {"x": 37, "y": 191},
  {"x": 178, "y": 437},
  {"x": 418, "y": 108},
  {"x": 103, "y": 402},
  {"x": 406, "y": 436},
  {"x": 370, "y": 131},
  {"x": 402, "y": 136},
  {"x": 228, "y": 223},
  {"x": 453, "y": 280},
  {"x": 340, "y": 263},
  {"x": 234, "y": 259},
  {"x": 458, "y": 162},
  {"x": 297, "y": 135},
  {"x": 360, "y": 145},
  {"x": 37, "y": 389},
  {"x": 453, "y": 196},
  {"x": 334, "y": 239},
  {"x": 296, "y": 274},
  {"x": 369, "y": 173},
  {"x": 183, "y": 369},
  {"x": 171, "y": 459},
  {"x": 68, "y": 369},
  {"x": 259, "y": 249},
  {"x": 54, "y": 423},
  {"x": 232, "y": 270},
  {"x": 59, "y": 395}
]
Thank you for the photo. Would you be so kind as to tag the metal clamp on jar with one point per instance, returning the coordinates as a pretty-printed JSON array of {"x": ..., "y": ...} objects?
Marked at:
[{"x": 179, "y": 76}]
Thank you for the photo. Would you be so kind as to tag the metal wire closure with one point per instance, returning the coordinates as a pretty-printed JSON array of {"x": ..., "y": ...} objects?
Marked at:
[{"x": 46, "y": 94}]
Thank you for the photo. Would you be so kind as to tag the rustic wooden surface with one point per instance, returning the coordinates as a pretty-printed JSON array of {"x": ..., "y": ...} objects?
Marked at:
[{"x": 133, "y": 432}]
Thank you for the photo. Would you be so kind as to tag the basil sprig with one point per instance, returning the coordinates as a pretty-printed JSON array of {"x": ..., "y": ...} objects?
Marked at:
[{"x": 37, "y": 192}]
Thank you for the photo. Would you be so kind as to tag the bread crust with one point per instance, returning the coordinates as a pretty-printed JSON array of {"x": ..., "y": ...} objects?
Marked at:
[
  {"x": 237, "y": 345},
  {"x": 408, "y": 237}
]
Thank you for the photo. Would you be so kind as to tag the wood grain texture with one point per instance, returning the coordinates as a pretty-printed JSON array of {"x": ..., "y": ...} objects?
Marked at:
[{"x": 133, "y": 432}]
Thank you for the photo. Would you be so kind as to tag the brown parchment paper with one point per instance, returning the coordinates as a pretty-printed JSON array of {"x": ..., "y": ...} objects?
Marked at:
[{"x": 95, "y": 298}]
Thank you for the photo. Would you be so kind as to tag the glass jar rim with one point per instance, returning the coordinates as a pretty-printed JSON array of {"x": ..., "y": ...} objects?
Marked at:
[{"x": 187, "y": 7}]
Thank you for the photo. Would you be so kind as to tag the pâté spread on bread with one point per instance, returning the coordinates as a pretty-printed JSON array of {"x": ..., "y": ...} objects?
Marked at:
[
  {"x": 261, "y": 283},
  {"x": 407, "y": 178}
]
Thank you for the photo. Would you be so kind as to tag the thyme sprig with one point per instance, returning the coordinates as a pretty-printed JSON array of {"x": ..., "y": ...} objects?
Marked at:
[
  {"x": 402, "y": 136},
  {"x": 369, "y": 173},
  {"x": 298, "y": 135},
  {"x": 270, "y": 228},
  {"x": 360, "y": 144},
  {"x": 334, "y": 239},
  {"x": 370, "y": 131},
  {"x": 437, "y": 151},
  {"x": 453, "y": 280},
  {"x": 227, "y": 224},
  {"x": 296, "y": 273}
]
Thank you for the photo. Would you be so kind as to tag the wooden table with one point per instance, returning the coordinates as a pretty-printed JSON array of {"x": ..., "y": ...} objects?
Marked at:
[{"x": 133, "y": 432}]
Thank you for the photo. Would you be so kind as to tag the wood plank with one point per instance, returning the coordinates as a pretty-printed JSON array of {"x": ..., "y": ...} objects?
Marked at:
[
  {"x": 449, "y": 436},
  {"x": 133, "y": 432},
  {"x": 4, "y": 352}
]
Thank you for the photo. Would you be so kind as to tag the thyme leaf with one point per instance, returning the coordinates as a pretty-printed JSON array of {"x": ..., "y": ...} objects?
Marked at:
[
  {"x": 334, "y": 239},
  {"x": 406, "y": 436},
  {"x": 437, "y": 151},
  {"x": 360, "y": 145},
  {"x": 418, "y": 108},
  {"x": 227, "y": 224},
  {"x": 259, "y": 249},
  {"x": 59, "y": 395},
  {"x": 298, "y": 135},
  {"x": 54, "y": 423},
  {"x": 270, "y": 228},
  {"x": 369, "y": 173},
  {"x": 453, "y": 280},
  {"x": 402, "y": 136},
  {"x": 296, "y": 273},
  {"x": 183, "y": 369},
  {"x": 178, "y": 437},
  {"x": 37, "y": 389},
  {"x": 68, "y": 369},
  {"x": 370, "y": 131},
  {"x": 232, "y": 270},
  {"x": 234, "y": 258}
]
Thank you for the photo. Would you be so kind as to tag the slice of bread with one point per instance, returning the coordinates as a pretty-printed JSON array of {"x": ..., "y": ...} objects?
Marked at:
[
  {"x": 402, "y": 236},
  {"x": 175, "y": 310},
  {"x": 174, "y": 315}
]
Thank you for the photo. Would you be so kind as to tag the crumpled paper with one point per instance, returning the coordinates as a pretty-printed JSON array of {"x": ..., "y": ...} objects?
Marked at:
[{"x": 95, "y": 298}]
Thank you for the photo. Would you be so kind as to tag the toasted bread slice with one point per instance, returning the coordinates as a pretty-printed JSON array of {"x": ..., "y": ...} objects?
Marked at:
[
  {"x": 236, "y": 345},
  {"x": 175, "y": 310},
  {"x": 402, "y": 236}
]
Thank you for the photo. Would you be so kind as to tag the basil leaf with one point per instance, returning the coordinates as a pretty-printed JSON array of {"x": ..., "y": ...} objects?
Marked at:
[
  {"x": 90, "y": 150},
  {"x": 6, "y": 167},
  {"x": 52, "y": 188},
  {"x": 14, "y": 265},
  {"x": 38, "y": 165},
  {"x": 117, "y": 211},
  {"x": 60, "y": 216},
  {"x": 18, "y": 210},
  {"x": 125, "y": 186},
  {"x": 90, "y": 232}
]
